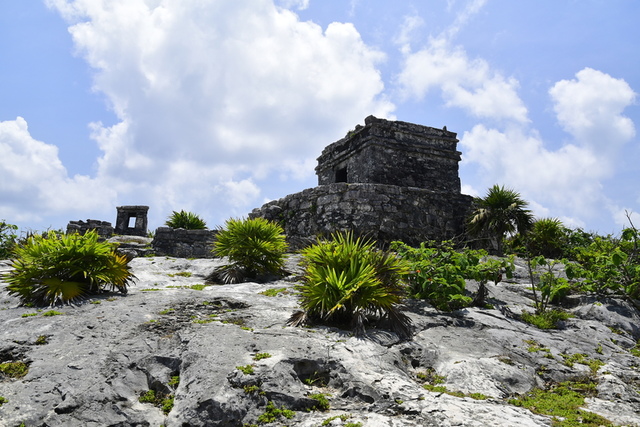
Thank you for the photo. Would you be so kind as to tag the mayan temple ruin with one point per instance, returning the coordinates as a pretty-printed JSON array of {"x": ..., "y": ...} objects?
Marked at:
[{"x": 387, "y": 180}]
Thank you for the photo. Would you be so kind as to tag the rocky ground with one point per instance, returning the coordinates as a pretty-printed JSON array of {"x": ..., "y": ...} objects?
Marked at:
[{"x": 89, "y": 365}]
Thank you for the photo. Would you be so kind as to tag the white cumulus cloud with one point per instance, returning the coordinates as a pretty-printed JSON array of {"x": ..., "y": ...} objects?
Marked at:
[
  {"x": 464, "y": 83},
  {"x": 239, "y": 91},
  {"x": 569, "y": 180},
  {"x": 590, "y": 108},
  {"x": 33, "y": 178}
]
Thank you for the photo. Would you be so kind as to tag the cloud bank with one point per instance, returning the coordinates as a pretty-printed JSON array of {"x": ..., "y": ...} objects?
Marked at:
[
  {"x": 504, "y": 146},
  {"x": 223, "y": 105},
  {"x": 216, "y": 98}
]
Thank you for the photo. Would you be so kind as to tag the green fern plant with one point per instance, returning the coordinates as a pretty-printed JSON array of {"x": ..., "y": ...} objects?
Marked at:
[
  {"x": 54, "y": 268},
  {"x": 347, "y": 280},
  {"x": 254, "y": 247},
  {"x": 186, "y": 220}
]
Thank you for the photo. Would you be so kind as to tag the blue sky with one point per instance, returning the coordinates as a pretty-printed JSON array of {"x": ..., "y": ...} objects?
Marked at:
[{"x": 216, "y": 106}]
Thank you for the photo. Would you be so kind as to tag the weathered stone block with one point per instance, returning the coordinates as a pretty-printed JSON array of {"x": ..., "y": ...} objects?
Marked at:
[{"x": 183, "y": 243}]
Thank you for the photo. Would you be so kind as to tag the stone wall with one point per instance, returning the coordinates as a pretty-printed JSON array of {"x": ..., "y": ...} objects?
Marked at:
[
  {"x": 382, "y": 212},
  {"x": 183, "y": 243},
  {"x": 104, "y": 228}
]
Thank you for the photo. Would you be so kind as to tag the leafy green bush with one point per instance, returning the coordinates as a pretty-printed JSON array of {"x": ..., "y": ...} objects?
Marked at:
[
  {"x": 609, "y": 266},
  {"x": 53, "y": 268},
  {"x": 347, "y": 280},
  {"x": 7, "y": 239},
  {"x": 486, "y": 270},
  {"x": 186, "y": 220},
  {"x": 548, "y": 287},
  {"x": 255, "y": 247},
  {"x": 437, "y": 273}
]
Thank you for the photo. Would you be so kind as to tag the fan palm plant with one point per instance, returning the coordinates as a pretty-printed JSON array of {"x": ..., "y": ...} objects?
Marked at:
[
  {"x": 186, "y": 220},
  {"x": 547, "y": 237},
  {"x": 347, "y": 280},
  {"x": 53, "y": 268},
  {"x": 255, "y": 247},
  {"x": 502, "y": 211}
]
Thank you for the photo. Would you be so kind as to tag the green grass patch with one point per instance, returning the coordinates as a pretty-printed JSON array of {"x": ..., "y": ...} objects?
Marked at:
[
  {"x": 41, "y": 340},
  {"x": 274, "y": 292},
  {"x": 260, "y": 356},
  {"x": 29, "y": 314},
  {"x": 322, "y": 403},
  {"x": 196, "y": 287},
  {"x": 563, "y": 402},
  {"x": 246, "y": 369},
  {"x": 636, "y": 350},
  {"x": 52, "y": 313},
  {"x": 583, "y": 359},
  {"x": 203, "y": 321},
  {"x": 251, "y": 389},
  {"x": 534, "y": 347},
  {"x": 174, "y": 381},
  {"x": 14, "y": 369},
  {"x": 3, "y": 400},
  {"x": 159, "y": 400},
  {"x": 546, "y": 320},
  {"x": 478, "y": 396},
  {"x": 429, "y": 376},
  {"x": 272, "y": 413},
  {"x": 180, "y": 274},
  {"x": 344, "y": 418}
]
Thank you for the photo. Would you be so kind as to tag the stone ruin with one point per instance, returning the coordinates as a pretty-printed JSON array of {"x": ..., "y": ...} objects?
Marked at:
[
  {"x": 130, "y": 234},
  {"x": 132, "y": 220},
  {"x": 386, "y": 180},
  {"x": 103, "y": 228}
]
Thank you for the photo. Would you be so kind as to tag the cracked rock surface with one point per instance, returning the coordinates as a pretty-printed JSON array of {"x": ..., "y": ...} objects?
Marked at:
[{"x": 216, "y": 355}]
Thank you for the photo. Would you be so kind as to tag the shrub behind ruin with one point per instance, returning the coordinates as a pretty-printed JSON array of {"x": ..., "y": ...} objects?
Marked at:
[{"x": 186, "y": 220}]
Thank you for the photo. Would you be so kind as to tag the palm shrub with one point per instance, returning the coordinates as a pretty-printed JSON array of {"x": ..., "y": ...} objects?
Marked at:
[
  {"x": 255, "y": 248},
  {"x": 347, "y": 280},
  {"x": 51, "y": 268},
  {"x": 186, "y": 220},
  {"x": 502, "y": 211}
]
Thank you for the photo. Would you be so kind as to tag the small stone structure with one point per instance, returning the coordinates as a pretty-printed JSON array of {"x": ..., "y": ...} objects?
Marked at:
[
  {"x": 178, "y": 242},
  {"x": 104, "y": 228},
  {"x": 388, "y": 180},
  {"x": 124, "y": 220}
]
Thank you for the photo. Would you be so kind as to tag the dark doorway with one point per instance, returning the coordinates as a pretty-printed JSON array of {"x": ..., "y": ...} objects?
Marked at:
[{"x": 341, "y": 175}]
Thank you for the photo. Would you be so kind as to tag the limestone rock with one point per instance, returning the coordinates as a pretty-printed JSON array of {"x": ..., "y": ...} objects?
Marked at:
[{"x": 89, "y": 365}]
